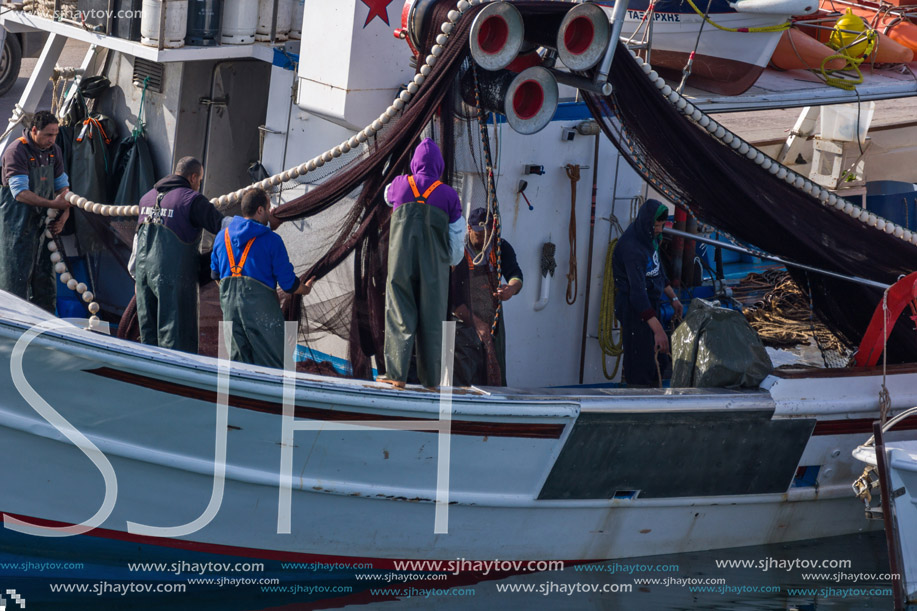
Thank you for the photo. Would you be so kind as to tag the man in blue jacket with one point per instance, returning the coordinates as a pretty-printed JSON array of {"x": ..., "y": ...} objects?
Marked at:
[
  {"x": 640, "y": 281},
  {"x": 249, "y": 261}
]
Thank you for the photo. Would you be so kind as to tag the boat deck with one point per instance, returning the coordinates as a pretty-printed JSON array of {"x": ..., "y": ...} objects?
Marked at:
[{"x": 797, "y": 88}]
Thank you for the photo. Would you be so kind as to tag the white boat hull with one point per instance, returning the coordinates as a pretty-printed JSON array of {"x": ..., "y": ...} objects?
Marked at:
[
  {"x": 725, "y": 62},
  {"x": 370, "y": 493}
]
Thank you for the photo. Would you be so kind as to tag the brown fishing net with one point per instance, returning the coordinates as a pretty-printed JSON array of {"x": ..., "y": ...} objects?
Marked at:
[
  {"x": 360, "y": 243},
  {"x": 340, "y": 226},
  {"x": 731, "y": 192},
  {"x": 360, "y": 239}
]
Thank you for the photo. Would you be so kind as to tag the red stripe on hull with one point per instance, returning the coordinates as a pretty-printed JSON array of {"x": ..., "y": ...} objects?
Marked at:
[
  {"x": 248, "y": 552},
  {"x": 859, "y": 426},
  {"x": 458, "y": 427}
]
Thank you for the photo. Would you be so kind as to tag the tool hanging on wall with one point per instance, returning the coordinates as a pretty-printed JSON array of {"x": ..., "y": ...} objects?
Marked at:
[
  {"x": 520, "y": 190},
  {"x": 595, "y": 187},
  {"x": 573, "y": 175}
]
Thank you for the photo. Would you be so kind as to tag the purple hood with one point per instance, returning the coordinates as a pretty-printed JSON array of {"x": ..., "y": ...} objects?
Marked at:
[
  {"x": 427, "y": 167},
  {"x": 427, "y": 162}
]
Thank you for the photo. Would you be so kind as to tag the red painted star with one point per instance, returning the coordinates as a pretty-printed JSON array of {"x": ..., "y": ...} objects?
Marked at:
[{"x": 377, "y": 8}]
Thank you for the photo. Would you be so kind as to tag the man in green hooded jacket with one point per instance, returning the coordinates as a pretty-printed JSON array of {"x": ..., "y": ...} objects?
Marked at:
[{"x": 640, "y": 281}]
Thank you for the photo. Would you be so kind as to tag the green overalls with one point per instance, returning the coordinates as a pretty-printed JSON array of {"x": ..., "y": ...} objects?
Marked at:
[
  {"x": 252, "y": 307},
  {"x": 25, "y": 262},
  {"x": 417, "y": 288},
  {"x": 167, "y": 278},
  {"x": 483, "y": 283}
]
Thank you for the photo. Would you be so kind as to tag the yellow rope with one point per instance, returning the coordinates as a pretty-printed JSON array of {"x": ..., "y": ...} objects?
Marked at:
[
  {"x": 853, "y": 63},
  {"x": 842, "y": 83},
  {"x": 767, "y": 28},
  {"x": 607, "y": 323}
]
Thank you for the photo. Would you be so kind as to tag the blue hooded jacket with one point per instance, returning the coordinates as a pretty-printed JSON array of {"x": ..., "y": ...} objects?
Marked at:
[
  {"x": 267, "y": 261},
  {"x": 639, "y": 275}
]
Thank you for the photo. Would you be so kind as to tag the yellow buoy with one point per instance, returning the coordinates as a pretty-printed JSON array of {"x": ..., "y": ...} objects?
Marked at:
[{"x": 851, "y": 36}]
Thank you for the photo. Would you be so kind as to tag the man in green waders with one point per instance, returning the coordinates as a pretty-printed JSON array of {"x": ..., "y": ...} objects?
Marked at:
[
  {"x": 33, "y": 182},
  {"x": 426, "y": 235},
  {"x": 249, "y": 261},
  {"x": 172, "y": 215}
]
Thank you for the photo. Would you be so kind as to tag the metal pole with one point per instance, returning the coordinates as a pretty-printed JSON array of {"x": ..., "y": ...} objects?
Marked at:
[
  {"x": 274, "y": 21},
  {"x": 891, "y": 532},
  {"x": 767, "y": 257},
  {"x": 580, "y": 82},
  {"x": 617, "y": 23},
  {"x": 595, "y": 184},
  {"x": 38, "y": 82},
  {"x": 162, "y": 24}
]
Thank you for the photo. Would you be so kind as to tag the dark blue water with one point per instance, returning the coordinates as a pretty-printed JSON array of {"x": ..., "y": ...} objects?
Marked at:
[{"x": 71, "y": 574}]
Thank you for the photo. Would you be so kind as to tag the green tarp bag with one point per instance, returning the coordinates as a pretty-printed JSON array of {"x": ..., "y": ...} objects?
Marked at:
[
  {"x": 134, "y": 171},
  {"x": 133, "y": 174},
  {"x": 91, "y": 162},
  {"x": 716, "y": 348}
]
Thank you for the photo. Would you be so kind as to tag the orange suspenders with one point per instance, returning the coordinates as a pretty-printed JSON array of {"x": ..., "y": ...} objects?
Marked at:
[
  {"x": 236, "y": 270},
  {"x": 422, "y": 199}
]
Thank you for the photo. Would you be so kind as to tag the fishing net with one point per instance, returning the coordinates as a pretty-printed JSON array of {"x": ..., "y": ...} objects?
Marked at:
[
  {"x": 357, "y": 316},
  {"x": 350, "y": 261},
  {"x": 733, "y": 193}
]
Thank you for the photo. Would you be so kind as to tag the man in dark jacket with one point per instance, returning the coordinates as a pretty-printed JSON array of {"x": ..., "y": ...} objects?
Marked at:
[
  {"x": 249, "y": 261},
  {"x": 426, "y": 233},
  {"x": 34, "y": 181},
  {"x": 172, "y": 216},
  {"x": 640, "y": 281},
  {"x": 476, "y": 292}
]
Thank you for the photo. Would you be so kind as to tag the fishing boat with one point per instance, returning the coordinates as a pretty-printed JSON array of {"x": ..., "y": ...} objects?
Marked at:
[
  {"x": 168, "y": 449},
  {"x": 718, "y": 46},
  {"x": 627, "y": 473}
]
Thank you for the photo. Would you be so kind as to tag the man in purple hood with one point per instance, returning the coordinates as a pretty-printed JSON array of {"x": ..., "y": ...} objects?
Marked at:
[{"x": 426, "y": 236}]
